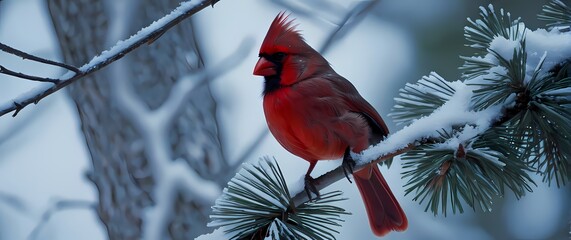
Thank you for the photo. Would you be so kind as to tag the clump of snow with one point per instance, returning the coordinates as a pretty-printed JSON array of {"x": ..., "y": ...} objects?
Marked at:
[
  {"x": 505, "y": 47},
  {"x": 277, "y": 229},
  {"x": 215, "y": 235},
  {"x": 296, "y": 186},
  {"x": 456, "y": 111},
  {"x": 556, "y": 45}
]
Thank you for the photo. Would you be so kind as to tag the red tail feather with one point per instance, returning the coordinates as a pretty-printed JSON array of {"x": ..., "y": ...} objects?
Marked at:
[{"x": 384, "y": 211}]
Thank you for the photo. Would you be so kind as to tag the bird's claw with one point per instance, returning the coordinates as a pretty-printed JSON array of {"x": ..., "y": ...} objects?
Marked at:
[
  {"x": 310, "y": 187},
  {"x": 348, "y": 164}
]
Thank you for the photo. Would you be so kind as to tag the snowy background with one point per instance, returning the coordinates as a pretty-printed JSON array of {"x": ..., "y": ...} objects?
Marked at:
[{"x": 43, "y": 157}]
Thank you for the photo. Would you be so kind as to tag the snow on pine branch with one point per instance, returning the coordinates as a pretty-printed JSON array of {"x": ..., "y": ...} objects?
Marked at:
[
  {"x": 120, "y": 49},
  {"x": 543, "y": 48},
  {"x": 512, "y": 68},
  {"x": 456, "y": 111}
]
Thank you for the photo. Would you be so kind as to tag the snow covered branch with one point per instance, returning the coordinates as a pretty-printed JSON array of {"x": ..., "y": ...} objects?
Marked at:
[
  {"x": 145, "y": 35},
  {"x": 472, "y": 120},
  {"x": 454, "y": 112}
]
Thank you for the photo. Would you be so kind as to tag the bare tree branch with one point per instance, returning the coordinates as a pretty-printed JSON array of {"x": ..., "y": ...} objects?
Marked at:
[
  {"x": 9, "y": 72},
  {"x": 56, "y": 207},
  {"x": 183, "y": 89},
  {"x": 349, "y": 21},
  {"x": 145, "y": 35},
  {"x": 14, "y": 201},
  {"x": 24, "y": 55}
]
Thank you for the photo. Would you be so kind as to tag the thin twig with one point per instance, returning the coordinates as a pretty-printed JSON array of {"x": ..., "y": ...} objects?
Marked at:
[
  {"x": 293, "y": 8},
  {"x": 145, "y": 35},
  {"x": 13, "y": 201},
  {"x": 337, "y": 174},
  {"x": 9, "y": 72},
  {"x": 11, "y": 50},
  {"x": 183, "y": 89},
  {"x": 56, "y": 207},
  {"x": 352, "y": 18}
]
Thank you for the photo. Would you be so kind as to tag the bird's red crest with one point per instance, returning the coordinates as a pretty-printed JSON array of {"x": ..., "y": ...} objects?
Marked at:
[{"x": 282, "y": 31}]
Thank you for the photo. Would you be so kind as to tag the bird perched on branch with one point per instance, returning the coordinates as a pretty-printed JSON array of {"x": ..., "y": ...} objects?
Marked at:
[{"x": 316, "y": 114}]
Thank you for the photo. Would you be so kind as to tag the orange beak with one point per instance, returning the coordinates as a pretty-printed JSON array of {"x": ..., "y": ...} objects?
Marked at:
[{"x": 265, "y": 68}]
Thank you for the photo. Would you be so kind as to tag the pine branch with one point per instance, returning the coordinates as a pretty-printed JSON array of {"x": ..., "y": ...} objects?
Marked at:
[
  {"x": 337, "y": 174},
  {"x": 421, "y": 99},
  {"x": 482, "y": 31},
  {"x": 545, "y": 127},
  {"x": 528, "y": 132},
  {"x": 257, "y": 204},
  {"x": 145, "y": 35}
]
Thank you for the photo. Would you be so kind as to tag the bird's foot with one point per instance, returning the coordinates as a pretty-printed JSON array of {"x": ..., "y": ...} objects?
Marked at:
[
  {"x": 348, "y": 164},
  {"x": 310, "y": 187}
]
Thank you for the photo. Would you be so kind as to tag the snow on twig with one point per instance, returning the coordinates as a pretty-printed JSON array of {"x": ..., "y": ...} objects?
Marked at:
[{"x": 145, "y": 35}]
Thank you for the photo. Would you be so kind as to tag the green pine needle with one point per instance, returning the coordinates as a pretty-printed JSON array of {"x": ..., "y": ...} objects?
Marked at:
[
  {"x": 556, "y": 14},
  {"x": 257, "y": 204},
  {"x": 482, "y": 31},
  {"x": 495, "y": 76},
  {"x": 279, "y": 230},
  {"x": 533, "y": 133},
  {"x": 473, "y": 173},
  {"x": 498, "y": 87},
  {"x": 421, "y": 99},
  {"x": 480, "y": 34},
  {"x": 545, "y": 126}
]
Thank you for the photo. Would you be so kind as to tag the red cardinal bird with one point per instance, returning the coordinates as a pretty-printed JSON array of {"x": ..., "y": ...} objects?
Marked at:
[{"x": 317, "y": 114}]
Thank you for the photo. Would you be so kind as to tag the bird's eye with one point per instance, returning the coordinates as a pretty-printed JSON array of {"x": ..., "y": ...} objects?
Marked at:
[{"x": 278, "y": 57}]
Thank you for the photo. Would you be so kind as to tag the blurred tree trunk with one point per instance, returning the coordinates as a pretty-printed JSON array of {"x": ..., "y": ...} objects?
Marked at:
[{"x": 120, "y": 161}]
